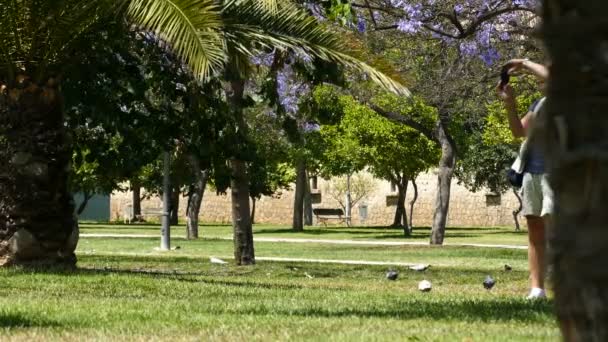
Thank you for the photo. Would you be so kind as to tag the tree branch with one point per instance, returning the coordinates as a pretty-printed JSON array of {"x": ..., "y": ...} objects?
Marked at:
[{"x": 398, "y": 118}]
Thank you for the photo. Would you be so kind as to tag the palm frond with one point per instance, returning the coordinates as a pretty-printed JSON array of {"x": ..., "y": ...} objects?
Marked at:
[
  {"x": 33, "y": 33},
  {"x": 249, "y": 26},
  {"x": 190, "y": 27}
]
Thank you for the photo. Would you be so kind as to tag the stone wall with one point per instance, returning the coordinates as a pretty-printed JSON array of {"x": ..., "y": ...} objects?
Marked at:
[{"x": 466, "y": 208}]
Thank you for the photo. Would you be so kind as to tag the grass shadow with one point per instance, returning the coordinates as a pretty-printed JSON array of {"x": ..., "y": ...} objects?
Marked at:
[
  {"x": 15, "y": 320},
  {"x": 468, "y": 310}
]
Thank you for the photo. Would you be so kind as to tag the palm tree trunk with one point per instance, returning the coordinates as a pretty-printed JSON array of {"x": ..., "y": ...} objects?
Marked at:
[
  {"x": 444, "y": 183},
  {"x": 575, "y": 135},
  {"x": 239, "y": 186},
  {"x": 37, "y": 221},
  {"x": 195, "y": 197},
  {"x": 298, "y": 201}
]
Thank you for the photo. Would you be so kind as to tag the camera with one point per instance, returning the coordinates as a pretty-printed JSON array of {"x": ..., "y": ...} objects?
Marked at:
[{"x": 504, "y": 76}]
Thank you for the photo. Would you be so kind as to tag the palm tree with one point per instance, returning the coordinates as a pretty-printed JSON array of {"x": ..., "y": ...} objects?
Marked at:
[
  {"x": 37, "y": 223},
  {"x": 575, "y": 134}
]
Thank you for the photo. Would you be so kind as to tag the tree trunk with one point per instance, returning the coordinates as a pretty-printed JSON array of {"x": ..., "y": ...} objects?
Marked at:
[
  {"x": 253, "y": 210},
  {"x": 174, "y": 219},
  {"x": 574, "y": 129},
  {"x": 349, "y": 201},
  {"x": 400, "y": 219},
  {"x": 239, "y": 186},
  {"x": 136, "y": 200},
  {"x": 37, "y": 221},
  {"x": 307, "y": 203},
  {"x": 412, "y": 202},
  {"x": 298, "y": 201},
  {"x": 85, "y": 200},
  {"x": 165, "y": 228},
  {"x": 444, "y": 182},
  {"x": 195, "y": 197},
  {"x": 517, "y": 211}
]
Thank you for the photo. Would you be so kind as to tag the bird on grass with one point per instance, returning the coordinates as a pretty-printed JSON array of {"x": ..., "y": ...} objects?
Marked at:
[
  {"x": 392, "y": 275},
  {"x": 489, "y": 283},
  {"x": 425, "y": 286},
  {"x": 419, "y": 267}
]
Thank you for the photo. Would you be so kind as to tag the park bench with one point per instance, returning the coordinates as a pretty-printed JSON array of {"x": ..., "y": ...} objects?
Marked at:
[
  {"x": 152, "y": 212},
  {"x": 325, "y": 214},
  {"x": 146, "y": 211}
]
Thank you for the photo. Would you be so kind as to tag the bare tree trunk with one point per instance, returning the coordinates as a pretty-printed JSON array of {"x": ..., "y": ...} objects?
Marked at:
[
  {"x": 444, "y": 183},
  {"x": 298, "y": 201},
  {"x": 239, "y": 186},
  {"x": 165, "y": 227},
  {"x": 85, "y": 200},
  {"x": 253, "y": 210},
  {"x": 412, "y": 202},
  {"x": 174, "y": 219},
  {"x": 574, "y": 129},
  {"x": 136, "y": 200},
  {"x": 307, "y": 203},
  {"x": 517, "y": 211},
  {"x": 37, "y": 221},
  {"x": 400, "y": 219},
  {"x": 195, "y": 197}
]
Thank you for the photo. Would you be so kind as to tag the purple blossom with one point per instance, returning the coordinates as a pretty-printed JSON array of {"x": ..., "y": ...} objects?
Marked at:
[
  {"x": 303, "y": 56},
  {"x": 290, "y": 90},
  {"x": 458, "y": 8},
  {"x": 265, "y": 59},
  {"x": 490, "y": 56},
  {"x": 409, "y": 26},
  {"x": 316, "y": 11},
  {"x": 308, "y": 127},
  {"x": 361, "y": 25},
  {"x": 469, "y": 48},
  {"x": 525, "y": 3}
]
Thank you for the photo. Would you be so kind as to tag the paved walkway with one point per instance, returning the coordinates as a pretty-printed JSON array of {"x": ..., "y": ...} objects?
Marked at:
[
  {"x": 321, "y": 241},
  {"x": 279, "y": 259}
]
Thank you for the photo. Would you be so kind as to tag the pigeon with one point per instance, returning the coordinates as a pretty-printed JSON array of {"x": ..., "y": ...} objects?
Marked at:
[
  {"x": 392, "y": 275},
  {"x": 419, "y": 267},
  {"x": 488, "y": 283},
  {"x": 217, "y": 261},
  {"x": 508, "y": 267},
  {"x": 424, "y": 286}
]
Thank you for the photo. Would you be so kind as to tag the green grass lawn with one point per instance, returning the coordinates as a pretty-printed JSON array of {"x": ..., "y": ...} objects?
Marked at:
[
  {"x": 491, "y": 235},
  {"x": 125, "y": 290}
]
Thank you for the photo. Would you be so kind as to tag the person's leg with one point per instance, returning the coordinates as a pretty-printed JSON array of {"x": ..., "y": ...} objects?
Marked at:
[
  {"x": 532, "y": 209},
  {"x": 536, "y": 251}
]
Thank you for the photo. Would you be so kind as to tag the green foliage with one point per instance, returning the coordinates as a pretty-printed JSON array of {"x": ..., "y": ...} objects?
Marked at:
[
  {"x": 363, "y": 138},
  {"x": 496, "y": 129},
  {"x": 129, "y": 101},
  {"x": 492, "y": 149},
  {"x": 270, "y": 170},
  {"x": 340, "y": 11}
]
